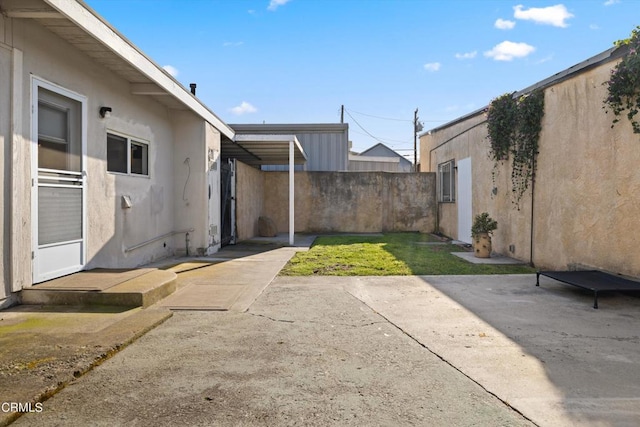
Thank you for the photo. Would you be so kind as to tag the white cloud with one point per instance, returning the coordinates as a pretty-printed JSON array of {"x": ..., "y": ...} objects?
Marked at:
[
  {"x": 227, "y": 44},
  {"x": 468, "y": 55},
  {"x": 171, "y": 70},
  {"x": 504, "y": 24},
  {"x": 594, "y": 27},
  {"x": 611, "y": 2},
  {"x": 274, "y": 4},
  {"x": 507, "y": 51},
  {"x": 551, "y": 15},
  {"x": 243, "y": 108},
  {"x": 432, "y": 66}
]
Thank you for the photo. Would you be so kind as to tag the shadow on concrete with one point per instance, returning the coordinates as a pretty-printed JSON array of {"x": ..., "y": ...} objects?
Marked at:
[{"x": 589, "y": 355}]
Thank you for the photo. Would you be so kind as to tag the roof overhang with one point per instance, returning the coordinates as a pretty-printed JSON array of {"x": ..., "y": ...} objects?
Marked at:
[
  {"x": 79, "y": 25},
  {"x": 258, "y": 150}
]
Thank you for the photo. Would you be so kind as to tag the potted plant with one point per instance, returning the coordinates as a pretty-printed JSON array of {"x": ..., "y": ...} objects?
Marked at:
[{"x": 481, "y": 230}]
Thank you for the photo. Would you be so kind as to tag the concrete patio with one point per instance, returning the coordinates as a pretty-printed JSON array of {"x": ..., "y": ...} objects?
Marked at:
[{"x": 543, "y": 351}]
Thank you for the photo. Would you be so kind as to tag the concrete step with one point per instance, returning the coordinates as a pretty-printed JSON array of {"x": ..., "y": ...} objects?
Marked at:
[{"x": 140, "y": 291}]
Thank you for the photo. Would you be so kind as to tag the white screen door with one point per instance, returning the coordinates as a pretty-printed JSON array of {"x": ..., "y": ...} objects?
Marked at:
[{"x": 58, "y": 196}]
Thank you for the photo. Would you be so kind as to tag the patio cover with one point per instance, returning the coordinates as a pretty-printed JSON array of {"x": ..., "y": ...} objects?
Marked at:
[{"x": 258, "y": 150}]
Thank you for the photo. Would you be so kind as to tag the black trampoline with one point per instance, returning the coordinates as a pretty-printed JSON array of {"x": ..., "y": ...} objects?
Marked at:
[{"x": 592, "y": 280}]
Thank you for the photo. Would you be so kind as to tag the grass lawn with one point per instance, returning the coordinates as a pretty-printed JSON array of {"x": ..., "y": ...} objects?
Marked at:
[{"x": 393, "y": 254}]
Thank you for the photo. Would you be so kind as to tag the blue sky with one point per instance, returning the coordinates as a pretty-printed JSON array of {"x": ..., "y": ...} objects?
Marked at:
[{"x": 298, "y": 61}]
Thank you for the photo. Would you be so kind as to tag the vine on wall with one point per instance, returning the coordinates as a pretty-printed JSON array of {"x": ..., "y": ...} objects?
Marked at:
[
  {"x": 624, "y": 83},
  {"x": 514, "y": 127},
  {"x": 501, "y": 124}
]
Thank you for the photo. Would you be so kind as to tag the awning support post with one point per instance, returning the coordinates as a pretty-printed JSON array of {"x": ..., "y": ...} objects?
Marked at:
[{"x": 291, "y": 192}]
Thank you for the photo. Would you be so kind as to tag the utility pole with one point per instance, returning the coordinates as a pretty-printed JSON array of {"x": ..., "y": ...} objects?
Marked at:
[
  {"x": 342, "y": 113},
  {"x": 417, "y": 127}
]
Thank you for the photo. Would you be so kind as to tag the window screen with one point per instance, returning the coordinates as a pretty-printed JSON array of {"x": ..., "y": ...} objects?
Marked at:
[
  {"x": 139, "y": 158},
  {"x": 447, "y": 181},
  {"x": 116, "y": 153}
]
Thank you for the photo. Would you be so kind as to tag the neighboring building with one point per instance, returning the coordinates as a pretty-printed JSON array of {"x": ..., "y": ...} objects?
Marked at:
[
  {"x": 379, "y": 158},
  {"x": 108, "y": 160},
  {"x": 326, "y": 144},
  {"x": 584, "y": 207}
]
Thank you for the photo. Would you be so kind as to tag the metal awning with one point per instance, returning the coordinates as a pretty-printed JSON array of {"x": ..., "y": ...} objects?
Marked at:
[{"x": 258, "y": 150}]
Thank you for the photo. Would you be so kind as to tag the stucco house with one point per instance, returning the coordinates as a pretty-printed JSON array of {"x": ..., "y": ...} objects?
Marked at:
[
  {"x": 583, "y": 207},
  {"x": 107, "y": 160}
]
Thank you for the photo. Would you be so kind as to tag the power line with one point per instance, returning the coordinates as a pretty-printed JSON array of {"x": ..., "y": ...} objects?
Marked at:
[
  {"x": 360, "y": 126},
  {"x": 382, "y": 118},
  {"x": 386, "y": 140},
  {"x": 397, "y": 120}
]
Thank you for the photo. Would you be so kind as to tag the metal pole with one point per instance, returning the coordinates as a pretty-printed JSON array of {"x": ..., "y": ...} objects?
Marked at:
[
  {"x": 292, "y": 228},
  {"x": 415, "y": 141}
]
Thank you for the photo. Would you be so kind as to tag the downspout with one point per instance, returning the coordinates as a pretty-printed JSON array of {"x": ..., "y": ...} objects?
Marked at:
[{"x": 533, "y": 187}]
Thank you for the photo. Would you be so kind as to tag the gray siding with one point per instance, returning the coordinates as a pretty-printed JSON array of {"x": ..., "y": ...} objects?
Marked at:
[
  {"x": 374, "y": 164},
  {"x": 325, "y": 144}
]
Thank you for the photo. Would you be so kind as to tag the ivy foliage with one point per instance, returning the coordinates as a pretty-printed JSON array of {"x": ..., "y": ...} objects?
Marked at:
[
  {"x": 501, "y": 125},
  {"x": 514, "y": 127},
  {"x": 525, "y": 147},
  {"x": 624, "y": 83}
]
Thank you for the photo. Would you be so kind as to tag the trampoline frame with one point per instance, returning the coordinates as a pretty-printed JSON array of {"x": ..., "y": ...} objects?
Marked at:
[{"x": 592, "y": 280}]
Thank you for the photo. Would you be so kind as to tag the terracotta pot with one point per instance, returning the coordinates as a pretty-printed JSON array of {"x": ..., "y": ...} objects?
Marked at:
[{"x": 482, "y": 245}]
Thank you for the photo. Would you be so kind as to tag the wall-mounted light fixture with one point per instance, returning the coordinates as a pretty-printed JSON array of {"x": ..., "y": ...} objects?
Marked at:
[{"x": 105, "y": 112}]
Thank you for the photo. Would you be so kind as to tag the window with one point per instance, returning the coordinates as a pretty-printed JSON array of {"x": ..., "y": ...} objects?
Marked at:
[
  {"x": 447, "y": 182},
  {"x": 125, "y": 155}
]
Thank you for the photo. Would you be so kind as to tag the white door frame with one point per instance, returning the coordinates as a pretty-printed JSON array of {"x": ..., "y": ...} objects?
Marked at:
[
  {"x": 232, "y": 163},
  {"x": 464, "y": 199},
  {"x": 40, "y": 262}
]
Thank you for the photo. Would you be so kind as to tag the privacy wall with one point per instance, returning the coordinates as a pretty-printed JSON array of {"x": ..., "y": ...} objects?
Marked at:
[
  {"x": 249, "y": 200},
  {"x": 354, "y": 202}
]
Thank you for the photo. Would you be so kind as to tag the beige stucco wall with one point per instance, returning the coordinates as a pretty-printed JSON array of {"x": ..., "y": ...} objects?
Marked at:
[
  {"x": 362, "y": 202},
  {"x": 585, "y": 205},
  {"x": 212, "y": 189},
  {"x": 190, "y": 165},
  {"x": 587, "y": 200},
  {"x": 249, "y": 200},
  {"x": 158, "y": 206}
]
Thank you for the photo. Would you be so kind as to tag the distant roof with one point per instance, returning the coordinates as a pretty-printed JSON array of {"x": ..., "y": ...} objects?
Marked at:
[{"x": 387, "y": 149}]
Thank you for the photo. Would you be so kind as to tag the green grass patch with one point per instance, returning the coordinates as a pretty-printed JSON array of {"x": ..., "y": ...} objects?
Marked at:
[{"x": 393, "y": 254}]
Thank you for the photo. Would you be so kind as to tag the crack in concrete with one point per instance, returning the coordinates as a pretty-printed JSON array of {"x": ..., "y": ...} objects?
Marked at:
[
  {"x": 271, "y": 318},
  {"x": 349, "y": 325},
  {"x": 441, "y": 358}
]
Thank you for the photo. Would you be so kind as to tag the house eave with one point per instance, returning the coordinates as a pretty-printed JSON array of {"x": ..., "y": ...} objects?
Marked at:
[{"x": 111, "y": 49}]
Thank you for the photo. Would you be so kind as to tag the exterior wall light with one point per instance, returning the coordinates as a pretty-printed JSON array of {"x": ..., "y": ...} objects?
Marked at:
[{"x": 105, "y": 112}]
